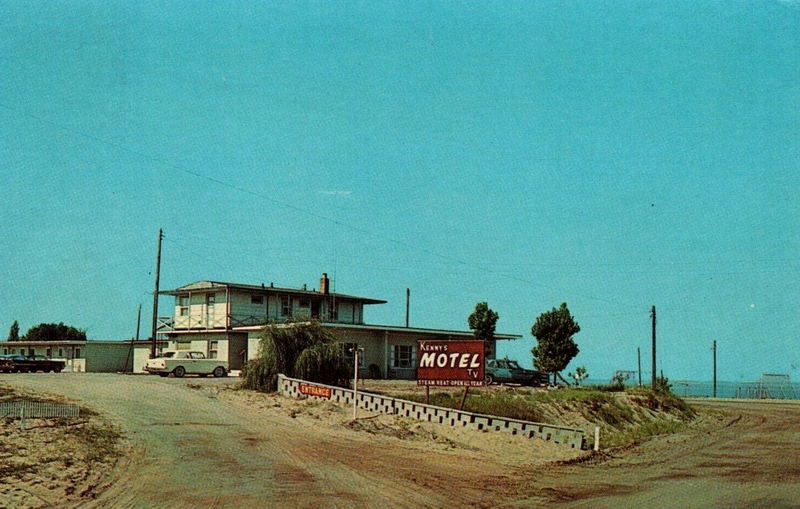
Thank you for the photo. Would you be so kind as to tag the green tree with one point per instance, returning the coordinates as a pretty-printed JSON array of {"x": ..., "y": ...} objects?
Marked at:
[
  {"x": 54, "y": 332},
  {"x": 555, "y": 347},
  {"x": 579, "y": 376},
  {"x": 483, "y": 321},
  {"x": 302, "y": 349},
  {"x": 13, "y": 332}
]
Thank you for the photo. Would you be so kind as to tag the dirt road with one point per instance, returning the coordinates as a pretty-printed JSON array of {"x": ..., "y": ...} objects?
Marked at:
[
  {"x": 192, "y": 449},
  {"x": 197, "y": 447},
  {"x": 751, "y": 459}
]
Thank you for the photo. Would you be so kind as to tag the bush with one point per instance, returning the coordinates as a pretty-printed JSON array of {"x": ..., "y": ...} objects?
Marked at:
[
  {"x": 285, "y": 348},
  {"x": 662, "y": 384},
  {"x": 322, "y": 363}
]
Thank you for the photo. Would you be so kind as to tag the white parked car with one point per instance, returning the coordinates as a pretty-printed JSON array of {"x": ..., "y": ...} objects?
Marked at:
[{"x": 184, "y": 362}]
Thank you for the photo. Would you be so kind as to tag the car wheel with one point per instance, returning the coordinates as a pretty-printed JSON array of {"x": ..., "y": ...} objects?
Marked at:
[
  {"x": 219, "y": 371},
  {"x": 179, "y": 372},
  {"x": 489, "y": 380}
]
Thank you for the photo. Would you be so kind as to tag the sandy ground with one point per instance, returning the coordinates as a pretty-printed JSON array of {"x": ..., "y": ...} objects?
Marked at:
[
  {"x": 197, "y": 443},
  {"x": 51, "y": 461}
]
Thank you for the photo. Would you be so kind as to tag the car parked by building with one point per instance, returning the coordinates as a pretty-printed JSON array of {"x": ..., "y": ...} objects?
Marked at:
[
  {"x": 17, "y": 363},
  {"x": 183, "y": 362},
  {"x": 509, "y": 371}
]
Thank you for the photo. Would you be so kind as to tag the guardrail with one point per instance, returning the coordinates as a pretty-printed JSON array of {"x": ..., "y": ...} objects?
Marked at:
[{"x": 571, "y": 437}]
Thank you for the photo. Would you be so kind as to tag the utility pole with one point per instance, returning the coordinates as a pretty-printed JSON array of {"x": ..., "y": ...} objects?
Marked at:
[
  {"x": 155, "y": 296},
  {"x": 639, "y": 358},
  {"x": 714, "y": 355},
  {"x": 408, "y": 300},
  {"x": 138, "y": 321},
  {"x": 653, "y": 316}
]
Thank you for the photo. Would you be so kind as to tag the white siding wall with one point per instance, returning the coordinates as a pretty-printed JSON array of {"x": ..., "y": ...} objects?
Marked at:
[
  {"x": 140, "y": 356},
  {"x": 252, "y": 345},
  {"x": 274, "y": 311},
  {"x": 245, "y": 312},
  {"x": 201, "y": 315}
]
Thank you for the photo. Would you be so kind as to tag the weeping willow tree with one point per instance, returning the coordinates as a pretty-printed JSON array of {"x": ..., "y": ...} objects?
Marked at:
[{"x": 303, "y": 350}]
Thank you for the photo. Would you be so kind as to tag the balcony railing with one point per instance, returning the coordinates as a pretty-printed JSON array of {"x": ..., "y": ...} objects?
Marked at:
[{"x": 211, "y": 322}]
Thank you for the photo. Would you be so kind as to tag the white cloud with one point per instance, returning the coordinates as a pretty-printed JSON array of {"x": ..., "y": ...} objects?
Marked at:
[{"x": 335, "y": 192}]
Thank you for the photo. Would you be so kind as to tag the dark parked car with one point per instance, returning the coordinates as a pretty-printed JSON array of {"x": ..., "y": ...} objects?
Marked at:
[
  {"x": 17, "y": 363},
  {"x": 9, "y": 363},
  {"x": 507, "y": 370}
]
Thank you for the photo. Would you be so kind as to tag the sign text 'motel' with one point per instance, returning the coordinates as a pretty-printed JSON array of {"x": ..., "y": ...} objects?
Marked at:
[{"x": 450, "y": 363}]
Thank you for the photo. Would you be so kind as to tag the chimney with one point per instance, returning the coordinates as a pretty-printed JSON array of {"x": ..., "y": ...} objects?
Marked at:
[{"x": 323, "y": 284}]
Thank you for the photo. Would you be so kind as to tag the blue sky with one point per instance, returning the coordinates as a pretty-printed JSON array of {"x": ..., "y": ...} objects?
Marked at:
[{"x": 613, "y": 155}]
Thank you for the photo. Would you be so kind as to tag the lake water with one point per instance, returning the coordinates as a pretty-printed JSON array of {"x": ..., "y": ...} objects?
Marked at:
[{"x": 766, "y": 388}]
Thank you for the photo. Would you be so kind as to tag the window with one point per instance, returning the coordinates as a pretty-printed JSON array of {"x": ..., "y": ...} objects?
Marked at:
[
  {"x": 403, "y": 356},
  {"x": 183, "y": 300},
  {"x": 304, "y": 303},
  {"x": 212, "y": 349},
  {"x": 183, "y": 311},
  {"x": 211, "y": 298},
  {"x": 77, "y": 352},
  {"x": 257, "y": 299},
  {"x": 49, "y": 352},
  {"x": 22, "y": 351},
  {"x": 61, "y": 352},
  {"x": 286, "y": 305},
  {"x": 5, "y": 351},
  {"x": 349, "y": 354}
]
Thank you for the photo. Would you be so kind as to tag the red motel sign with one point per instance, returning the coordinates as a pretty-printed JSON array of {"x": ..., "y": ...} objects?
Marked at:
[{"x": 450, "y": 363}]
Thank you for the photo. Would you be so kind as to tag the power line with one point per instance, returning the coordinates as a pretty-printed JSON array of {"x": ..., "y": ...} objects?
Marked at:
[{"x": 280, "y": 203}]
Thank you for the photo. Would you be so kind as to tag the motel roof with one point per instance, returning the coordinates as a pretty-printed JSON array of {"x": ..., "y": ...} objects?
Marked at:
[
  {"x": 395, "y": 328},
  {"x": 263, "y": 289}
]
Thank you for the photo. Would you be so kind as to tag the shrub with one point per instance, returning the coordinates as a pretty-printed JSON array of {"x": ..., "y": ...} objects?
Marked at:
[
  {"x": 282, "y": 349},
  {"x": 323, "y": 363},
  {"x": 662, "y": 384}
]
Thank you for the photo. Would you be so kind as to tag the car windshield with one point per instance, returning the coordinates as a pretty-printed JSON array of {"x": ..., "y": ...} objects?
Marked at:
[
  {"x": 168, "y": 355},
  {"x": 513, "y": 365}
]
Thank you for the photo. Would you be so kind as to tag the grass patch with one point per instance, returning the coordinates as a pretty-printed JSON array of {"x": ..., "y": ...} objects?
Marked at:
[
  {"x": 627, "y": 416},
  {"x": 641, "y": 432},
  {"x": 508, "y": 405},
  {"x": 662, "y": 401},
  {"x": 100, "y": 441}
]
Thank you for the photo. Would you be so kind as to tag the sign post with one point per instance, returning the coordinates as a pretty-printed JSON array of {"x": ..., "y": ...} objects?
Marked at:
[{"x": 355, "y": 380}]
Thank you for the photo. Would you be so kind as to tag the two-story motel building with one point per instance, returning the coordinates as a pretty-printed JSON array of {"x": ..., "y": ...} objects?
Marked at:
[{"x": 225, "y": 321}]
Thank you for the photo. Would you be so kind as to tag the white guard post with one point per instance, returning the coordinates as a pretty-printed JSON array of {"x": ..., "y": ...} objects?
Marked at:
[
  {"x": 356, "y": 351},
  {"x": 597, "y": 438}
]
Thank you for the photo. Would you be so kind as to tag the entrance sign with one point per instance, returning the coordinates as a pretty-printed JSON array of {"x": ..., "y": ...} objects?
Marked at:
[
  {"x": 450, "y": 363},
  {"x": 315, "y": 390}
]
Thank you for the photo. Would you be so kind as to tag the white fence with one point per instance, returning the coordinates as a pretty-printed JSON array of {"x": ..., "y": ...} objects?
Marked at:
[
  {"x": 37, "y": 410},
  {"x": 571, "y": 437}
]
